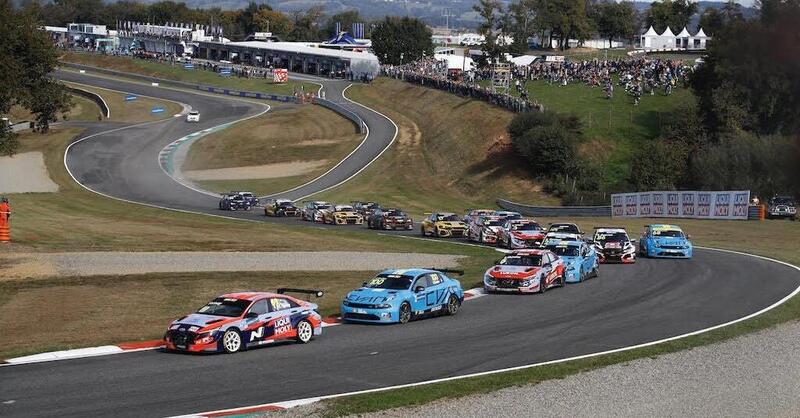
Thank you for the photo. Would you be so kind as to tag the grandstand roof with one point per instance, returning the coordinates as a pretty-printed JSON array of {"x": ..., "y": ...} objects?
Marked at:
[{"x": 303, "y": 48}]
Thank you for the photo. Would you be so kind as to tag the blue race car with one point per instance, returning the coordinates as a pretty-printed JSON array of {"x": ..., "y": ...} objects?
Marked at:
[
  {"x": 398, "y": 296},
  {"x": 580, "y": 260},
  {"x": 665, "y": 241}
]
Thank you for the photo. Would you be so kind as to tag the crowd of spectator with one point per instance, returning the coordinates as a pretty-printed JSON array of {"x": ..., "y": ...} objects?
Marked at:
[
  {"x": 637, "y": 77},
  {"x": 432, "y": 73}
]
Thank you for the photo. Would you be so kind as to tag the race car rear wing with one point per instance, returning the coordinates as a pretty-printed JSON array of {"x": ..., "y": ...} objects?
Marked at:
[
  {"x": 609, "y": 227},
  {"x": 454, "y": 271},
  {"x": 314, "y": 292}
]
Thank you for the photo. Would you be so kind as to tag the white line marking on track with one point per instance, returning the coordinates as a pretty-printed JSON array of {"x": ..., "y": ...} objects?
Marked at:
[{"x": 306, "y": 401}]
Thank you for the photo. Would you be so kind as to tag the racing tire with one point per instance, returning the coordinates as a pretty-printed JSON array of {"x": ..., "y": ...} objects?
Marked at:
[
  {"x": 453, "y": 305},
  {"x": 305, "y": 332},
  {"x": 436, "y": 232},
  {"x": 404, "y": 313},
  {"x": 233, "y": 208},
  {"x": 542, "y": 286},
  {"x": 595, "y": 272},
  {"x": 422, "y": 231},
  {"x": 563, "y": 280},
  {"x": 231, "y": 341}
]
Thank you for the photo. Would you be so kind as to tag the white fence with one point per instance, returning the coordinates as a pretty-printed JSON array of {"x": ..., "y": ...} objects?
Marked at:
[{"x": 682, "y": 204}]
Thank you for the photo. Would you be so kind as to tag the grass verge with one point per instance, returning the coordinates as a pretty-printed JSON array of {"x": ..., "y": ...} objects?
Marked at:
[
  {"x": 82, "y": 110},
  {"x": 177, "y": 72},
  {"x": 448, "y": 154},
  {"x": 305, "y": 141},
  {"x": 133, "y": 111}
]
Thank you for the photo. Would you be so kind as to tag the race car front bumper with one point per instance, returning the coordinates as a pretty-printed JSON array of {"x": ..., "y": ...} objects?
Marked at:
[
  {"x": 616, "y": 257},
  {"x": 369, "y": 315},
  {"x": 350, "y": 220},
  {"x": 185, "y": 341},
  {"x": 511, "y": 286},
  {"x": 398, "y": 225},
  {"x": 452, "y": 233},
  {"x": 670, "y": 252}
]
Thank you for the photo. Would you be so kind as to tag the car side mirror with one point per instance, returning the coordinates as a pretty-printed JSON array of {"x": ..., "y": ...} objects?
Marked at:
[
  {"x": 496, "y": 262},
  {"x": 546, "y": 265},
  {"x": 688, "y": 236},
  {"x": 419, "y": 289},
  {"x": 364, "y": 284},
  {"x": 251, "y": 315}
]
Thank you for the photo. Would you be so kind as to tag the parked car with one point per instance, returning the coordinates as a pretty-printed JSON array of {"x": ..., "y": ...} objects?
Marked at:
[{"x": 782, "y": 207}]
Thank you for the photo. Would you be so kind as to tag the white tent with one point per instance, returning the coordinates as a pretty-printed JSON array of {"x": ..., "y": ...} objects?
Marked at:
[
  {"x": 649, "y": 38},
  {"x": 455, "y": 62},
  {"x": 698, "y": 41},
  {"x": 523, "y": 60},
  {"x": 683, "y": 39}
]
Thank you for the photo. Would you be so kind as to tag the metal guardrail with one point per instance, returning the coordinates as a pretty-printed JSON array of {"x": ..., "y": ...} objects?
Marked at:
[
  {"x": 219, "y": 90},
  {"x": 93, "y": 97},
  {"x": 555, "y": 211}
]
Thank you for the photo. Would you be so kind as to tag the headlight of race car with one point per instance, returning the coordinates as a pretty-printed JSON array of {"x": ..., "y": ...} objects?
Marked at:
[
  {"x": 526, "y": 283},
  {"x": 656, "y": 244},
  {"x": 206, "y": 337},
  {"x": 383, "y": 306},
  {"x": 345, "y": 302},
  {"x": 489, "y": 280}
]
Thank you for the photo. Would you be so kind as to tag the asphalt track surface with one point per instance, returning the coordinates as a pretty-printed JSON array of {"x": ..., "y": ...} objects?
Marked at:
[{"x": 626, "y": 305}]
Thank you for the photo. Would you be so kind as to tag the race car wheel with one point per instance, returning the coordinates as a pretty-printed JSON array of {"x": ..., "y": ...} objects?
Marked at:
[
  {"x": 542, "y": 285},
  {"x": 563, "y": 280},
  {"x": 405, "y": 313},
  {"x": 453, "y": 304},
  {"x": 304, "y": 331},
  {"x": 231, "y": 341},
  {"x": 595, "y": 272},
  {"x": 233, "y": 207},
  {"x": 422, "y": 231}
]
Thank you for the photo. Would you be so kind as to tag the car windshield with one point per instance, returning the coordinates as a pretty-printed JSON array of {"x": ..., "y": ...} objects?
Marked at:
[
  {"x": 344, "y": 208},
  {"x": 285, "y": 204},
  {"x": 395, "y": 213},
  {"x": 667, "y": 233},
  {"x": 390, "y": 281},
  {"x": 529, "y": 226},
  {"x": 571, "y": 229},
  {"x": 493, "y": 222},
  {"x": 522, "y": 260},
  {"x": 603, "y": 237},
  {"x": 321, "y": 207},
  {"x": 564, "y": 250},
  {"x": 448, "y": 218},
  {"x": 782, "y": 200},
  {"x": 225, "y": 307},
  {"x": 194, "y": 112}
]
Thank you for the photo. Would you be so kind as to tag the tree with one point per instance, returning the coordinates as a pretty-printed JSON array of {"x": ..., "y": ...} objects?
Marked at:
[
  {"x": 396, "y": 40},
  {"x": 346, "y": 19},
  {"x": 523, "y": 23},
  {"x": 657, "y": 166},
  {"x": 566, "y": 19},
  {"x": 548, "y": 149},
  {"x": 306, "y": 24},
  {"x": 29, "y": 56},
  {"x": 614, "y": 20},
  {"x": 757, "y": 94},
  {"x": 491, "y": 12},
  {"x": 674, "y": 14},
  {"x": 713, "y": 20},
  {"x": 272, "y": 21}
]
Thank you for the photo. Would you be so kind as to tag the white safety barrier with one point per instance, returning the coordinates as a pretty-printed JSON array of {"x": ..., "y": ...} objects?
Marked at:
[{"x": 681, "y": 204}]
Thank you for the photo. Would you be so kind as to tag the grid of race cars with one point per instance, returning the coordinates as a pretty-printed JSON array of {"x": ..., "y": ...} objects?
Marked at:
[{"x": 535, "y": 259}]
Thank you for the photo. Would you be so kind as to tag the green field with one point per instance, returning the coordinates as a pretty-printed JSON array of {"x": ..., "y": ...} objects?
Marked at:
[
  {"x": 177, "y": 72},
  {"x": 131, "y": 111}
]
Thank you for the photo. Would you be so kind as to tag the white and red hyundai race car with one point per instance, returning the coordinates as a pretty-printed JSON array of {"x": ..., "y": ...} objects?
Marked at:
[
  {"x": 525, "y": 271},
  {"x": 484, "y": 229}
]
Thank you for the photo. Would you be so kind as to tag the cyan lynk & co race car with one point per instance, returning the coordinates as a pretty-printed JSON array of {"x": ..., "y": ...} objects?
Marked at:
[
  {"x": 525, "y": 271},
  {"x": 667, "y": 241},
  {"x": 613, "y": 245},
  {"x": 580, "y": 260},
  {"x": 398, "y": 296},
  {"x": 237, "y": 321}
]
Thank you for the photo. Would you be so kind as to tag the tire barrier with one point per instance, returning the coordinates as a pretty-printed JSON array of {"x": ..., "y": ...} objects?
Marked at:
[
  {"x": 230, "y": 92},
  {"x": 555, "y": 211},
  {"x": 756, "y": 212},
  {"x": 93, "y": 97}
]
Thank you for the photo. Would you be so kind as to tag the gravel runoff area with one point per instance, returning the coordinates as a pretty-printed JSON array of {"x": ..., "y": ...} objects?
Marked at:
[
  {"x": 753, "y": 375},
  {"x": 118, "y": 263},
  {"x": 25, "y": 173}
]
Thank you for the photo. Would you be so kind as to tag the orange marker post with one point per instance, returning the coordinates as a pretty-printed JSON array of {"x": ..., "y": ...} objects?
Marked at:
[{"x": 5, "y": 222}]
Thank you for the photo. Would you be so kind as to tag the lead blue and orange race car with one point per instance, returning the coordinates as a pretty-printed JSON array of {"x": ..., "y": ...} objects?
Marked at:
[{"x": 238, "y": 321}]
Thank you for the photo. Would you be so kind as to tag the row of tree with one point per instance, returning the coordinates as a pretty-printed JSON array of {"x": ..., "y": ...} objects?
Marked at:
[
  {"x": 302, "y": 25},
  {"x": 562, "y": 20}
]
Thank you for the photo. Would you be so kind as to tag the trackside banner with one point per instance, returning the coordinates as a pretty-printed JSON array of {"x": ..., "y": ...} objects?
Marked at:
[{"x": 682, "y": 204}]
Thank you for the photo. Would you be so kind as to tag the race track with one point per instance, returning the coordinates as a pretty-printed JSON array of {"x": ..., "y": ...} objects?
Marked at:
[{"x": 626, "y": 305}]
